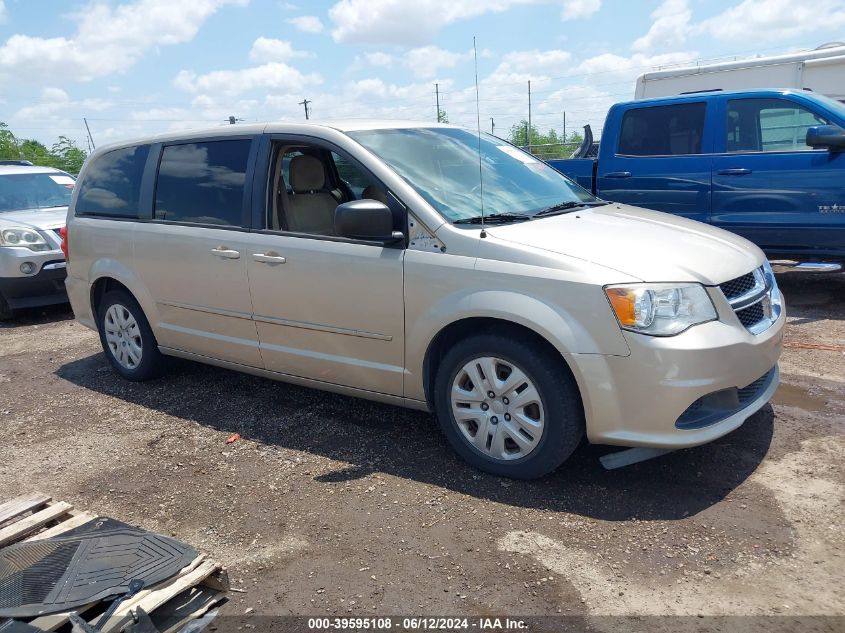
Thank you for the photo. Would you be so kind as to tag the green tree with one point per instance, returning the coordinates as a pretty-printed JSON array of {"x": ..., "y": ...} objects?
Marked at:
[
  {"x": 64, "y": 154},
  {"x": 442, "y": 117},
  {"x": 546, "y": 145}
]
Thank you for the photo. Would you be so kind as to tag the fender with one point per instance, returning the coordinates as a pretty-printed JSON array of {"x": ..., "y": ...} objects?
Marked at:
[
  {"x": 107, "y": 267},
  {"x": 564, "y": 331}
]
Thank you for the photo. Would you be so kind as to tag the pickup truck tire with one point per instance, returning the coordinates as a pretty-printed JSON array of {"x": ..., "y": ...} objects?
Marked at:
[
  {"x": 128, "y": 341},
  {"x": 525, "y": 422}
]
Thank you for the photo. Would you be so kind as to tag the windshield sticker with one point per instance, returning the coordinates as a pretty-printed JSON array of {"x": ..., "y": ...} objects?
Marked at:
[
  {"x": 62, "y": 180},
  {"x": 518, "y": 154}
]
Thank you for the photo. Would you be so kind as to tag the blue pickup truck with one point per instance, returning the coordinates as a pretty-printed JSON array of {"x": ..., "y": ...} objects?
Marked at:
[{"x": 768, "y": 165}]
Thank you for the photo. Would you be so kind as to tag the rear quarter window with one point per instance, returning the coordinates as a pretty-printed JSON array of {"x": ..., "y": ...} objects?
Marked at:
[{"x": 111, "y": 185}]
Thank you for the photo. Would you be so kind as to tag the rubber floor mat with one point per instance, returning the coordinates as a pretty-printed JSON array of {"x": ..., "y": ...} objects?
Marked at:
[{"x": 84, "y": 565}]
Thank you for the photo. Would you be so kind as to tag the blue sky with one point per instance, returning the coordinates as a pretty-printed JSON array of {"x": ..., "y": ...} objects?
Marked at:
[{"x": 134, "y": 67}]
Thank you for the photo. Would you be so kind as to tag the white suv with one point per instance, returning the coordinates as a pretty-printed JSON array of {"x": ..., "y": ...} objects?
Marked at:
[
  {"x": 33, "y": 208},
  {"x": 354, "y": 258}
]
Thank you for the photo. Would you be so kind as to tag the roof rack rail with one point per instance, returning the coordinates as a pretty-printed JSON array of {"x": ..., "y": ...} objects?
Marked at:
[
  {"x": 21, "y": 163},
  {"x": 695, "y": 92}
]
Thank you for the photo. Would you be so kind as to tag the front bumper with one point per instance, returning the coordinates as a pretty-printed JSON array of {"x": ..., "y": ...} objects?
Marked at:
[
  {"x": 637, "y": 400},
  {"x": 44, "y": 286}
]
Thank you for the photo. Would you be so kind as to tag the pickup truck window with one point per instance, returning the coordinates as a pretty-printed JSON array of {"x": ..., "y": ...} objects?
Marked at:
[
  {"x": 442, "y": 165},
  {"x": 670, "y": 130},
  {"x": 768, "y": 125}
]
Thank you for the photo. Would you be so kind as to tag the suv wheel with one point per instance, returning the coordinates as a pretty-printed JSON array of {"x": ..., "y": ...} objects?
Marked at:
[
  {"x": 128, "y": 341},
  {"x": 508, "y": 407}
]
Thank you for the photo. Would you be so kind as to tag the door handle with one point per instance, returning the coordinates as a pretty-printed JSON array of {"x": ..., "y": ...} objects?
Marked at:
[
  {"x": 225, "y": 252},
  {"x": 269, "y": 258},
  {"x": 734, "y": 171},
  {"x": 618, "y": 174}
]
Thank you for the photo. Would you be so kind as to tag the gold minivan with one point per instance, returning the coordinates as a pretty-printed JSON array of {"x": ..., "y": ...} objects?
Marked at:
[{"x": 430, "y": 267}]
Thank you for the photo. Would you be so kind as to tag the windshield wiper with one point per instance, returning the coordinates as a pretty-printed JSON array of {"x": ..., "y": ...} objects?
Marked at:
[
  {"x": 569, "y": 205},
  {"x": 494, "y": 218}
]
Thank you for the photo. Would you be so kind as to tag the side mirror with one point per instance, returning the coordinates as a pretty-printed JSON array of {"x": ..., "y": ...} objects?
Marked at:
[
  {"x": 369, "y": 220},
  {"x": 831, "y": 137}
]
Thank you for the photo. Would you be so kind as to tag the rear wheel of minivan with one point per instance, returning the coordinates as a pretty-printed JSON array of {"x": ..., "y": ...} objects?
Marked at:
[
  {"x": 128, "y": 342},
  {"x": 508, "y": 407}
]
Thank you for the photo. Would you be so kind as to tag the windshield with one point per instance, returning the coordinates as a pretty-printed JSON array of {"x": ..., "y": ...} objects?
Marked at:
[
  {"x": 837, "y": 107},
  {"x": 442, "y": 165},
  {"x": 34, "y": 191}
]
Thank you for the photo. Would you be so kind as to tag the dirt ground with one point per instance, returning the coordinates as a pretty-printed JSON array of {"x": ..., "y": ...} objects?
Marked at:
[{"x": 336, "y": 506}]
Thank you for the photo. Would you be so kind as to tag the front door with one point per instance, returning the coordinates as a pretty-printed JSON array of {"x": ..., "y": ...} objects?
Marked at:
[
  {"x": 326, "y": 308},
  {"x": 770, "y": 187},
  {"x": 661, "y": 161}
]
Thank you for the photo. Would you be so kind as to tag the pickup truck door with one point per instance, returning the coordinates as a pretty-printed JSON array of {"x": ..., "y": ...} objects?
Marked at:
[
  {"x": 660, "y": 159},
  {"x": 769, "y": 186}
]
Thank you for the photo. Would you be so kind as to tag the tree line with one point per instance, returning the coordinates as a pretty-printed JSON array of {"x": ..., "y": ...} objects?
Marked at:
[{"x": 64, "y": 154}]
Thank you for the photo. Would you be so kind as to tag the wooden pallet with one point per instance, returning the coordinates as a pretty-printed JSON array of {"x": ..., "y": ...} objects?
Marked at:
[{"x": 172, "y": 603}]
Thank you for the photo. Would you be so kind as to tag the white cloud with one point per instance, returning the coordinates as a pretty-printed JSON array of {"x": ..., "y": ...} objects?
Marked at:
[
  {"x": 56, "y": 103},
  {"x": 307, "y": 23},
  {"x": 266, "y": 49},
  {"x": 270, "y": 76},
  {"x": 379, "y": 59},
  {"x": 574, "y": 9},
  {"x": 404, "y": 23},
  {"x": 670, "y": 26},
  {"x": 427, "y": 61},
  {"x": 774, "y": 19},
  {"x": 107, "y": 40}
]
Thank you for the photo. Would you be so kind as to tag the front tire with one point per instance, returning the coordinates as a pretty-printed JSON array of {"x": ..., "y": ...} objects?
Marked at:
[
  {"x": 6, "y": 313},
  {"x": 128, "y": 341},
  {"x": 508, "y": 407}
]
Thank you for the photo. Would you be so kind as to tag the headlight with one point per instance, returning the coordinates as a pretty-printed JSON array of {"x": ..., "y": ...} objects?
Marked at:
[
  {"x": 660, "y": 309},
  {"x": 23, "y": 237},
  {"x": 775, "y": 297}
]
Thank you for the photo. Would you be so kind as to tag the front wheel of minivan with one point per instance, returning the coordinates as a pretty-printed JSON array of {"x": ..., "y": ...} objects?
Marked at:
[
  {"x": 508, "y": 407},
  {"x": 127, "y": 339}
]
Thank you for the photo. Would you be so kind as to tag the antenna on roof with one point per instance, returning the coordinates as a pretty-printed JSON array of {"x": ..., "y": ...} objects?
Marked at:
[{"x": 478, "y": 124}]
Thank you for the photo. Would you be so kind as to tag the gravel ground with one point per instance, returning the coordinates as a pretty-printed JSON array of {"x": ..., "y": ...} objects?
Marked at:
[{"x": 336, "y": 506}]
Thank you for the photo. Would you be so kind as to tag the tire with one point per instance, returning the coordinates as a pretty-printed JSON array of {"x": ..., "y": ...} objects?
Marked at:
[
  {"x": 509, "y": 444},
  {"x": 6, "y": 313},
  {"x": 127, "y": 339}
]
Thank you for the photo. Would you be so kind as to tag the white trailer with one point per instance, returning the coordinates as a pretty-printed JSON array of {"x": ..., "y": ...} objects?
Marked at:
[{"x": 821, "y": 70}]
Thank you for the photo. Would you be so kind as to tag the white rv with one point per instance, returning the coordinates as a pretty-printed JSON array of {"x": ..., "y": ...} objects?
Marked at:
[{"x": 821, "y": 70}]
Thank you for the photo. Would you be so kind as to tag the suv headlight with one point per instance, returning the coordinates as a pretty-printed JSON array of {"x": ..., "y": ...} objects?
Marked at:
[
  {"x": 660, "y": 309},
  {"x": 23, "y": 237}
]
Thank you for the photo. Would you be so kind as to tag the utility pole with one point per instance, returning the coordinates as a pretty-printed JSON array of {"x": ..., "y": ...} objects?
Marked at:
[
  {"x": 528, "y": 131},
  {"x": 305, "y": 103},
  {"x": 90, "y": 138},
  {"x": 437, "y": 100},
  {"x": 492, "y": 127},
  {"x": 564, "y": 126}
]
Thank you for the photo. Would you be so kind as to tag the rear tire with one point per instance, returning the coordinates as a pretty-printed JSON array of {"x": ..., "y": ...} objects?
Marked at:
[
  {"x": 523, "y": 423},
  {"x": 128, "y": 341}
]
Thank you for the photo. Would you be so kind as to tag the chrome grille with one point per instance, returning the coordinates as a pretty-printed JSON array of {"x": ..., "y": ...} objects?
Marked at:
[{"x": 738, "y": 287}]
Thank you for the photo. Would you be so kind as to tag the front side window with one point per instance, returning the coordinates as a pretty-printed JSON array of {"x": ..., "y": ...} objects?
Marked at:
[
  {"x": 34, "y": 191},
  {"x": 671, "y": 130},
  {"x": 203, "y": 183},
  {"x": 111, "y": 186},
  {"x": 768, "y": 125},
  {"x": 442, "y": 165}
]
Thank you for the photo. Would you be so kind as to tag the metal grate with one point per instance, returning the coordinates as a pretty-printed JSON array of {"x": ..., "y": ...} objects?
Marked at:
[
  {"x": 751, "y": 315},
  {"x": 738, "y": 287}
]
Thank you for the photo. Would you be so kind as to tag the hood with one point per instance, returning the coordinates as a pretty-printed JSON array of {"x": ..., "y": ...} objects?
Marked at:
[
  {"x": 43, "y": 219},
  {"x": 649, "y": 245}
]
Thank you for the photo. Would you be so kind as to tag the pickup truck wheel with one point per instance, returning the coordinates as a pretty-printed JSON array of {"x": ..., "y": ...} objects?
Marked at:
[
  {"x": 127, "y": 339},
  {"x": 508, "y": 407}
]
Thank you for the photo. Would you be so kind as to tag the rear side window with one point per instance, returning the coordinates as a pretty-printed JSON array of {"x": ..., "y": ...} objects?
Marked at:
[
  {"x": 111, "y": 186},
  {"x": 663, "y": 130},
  {"x": 768, "y": 125},
  {"x": 203, "y": 183}
]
